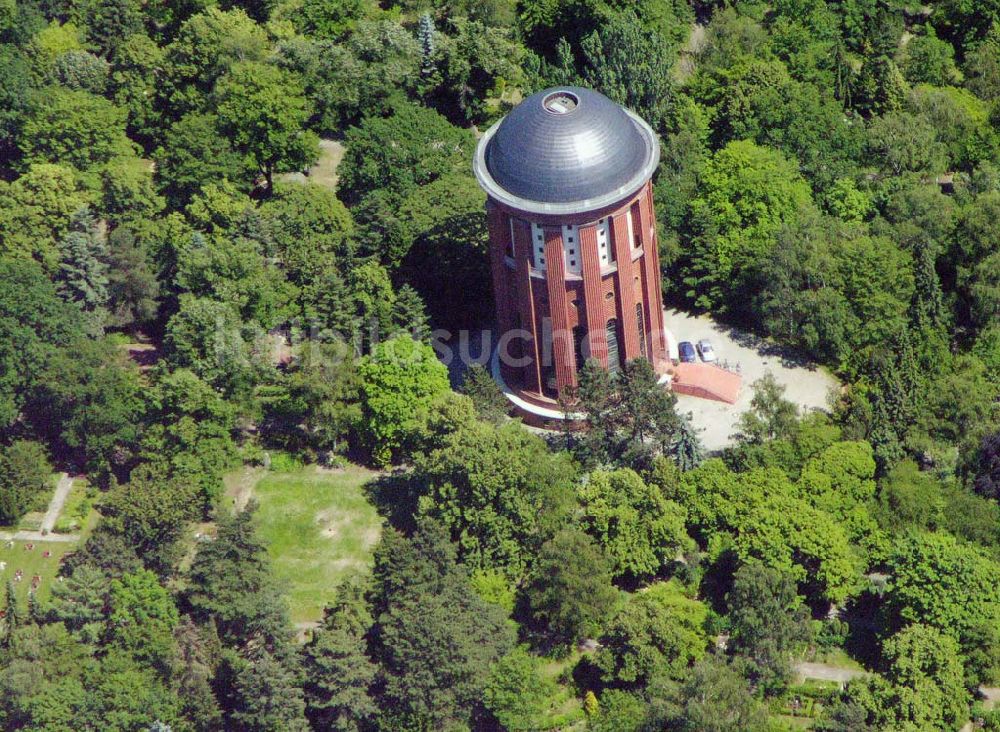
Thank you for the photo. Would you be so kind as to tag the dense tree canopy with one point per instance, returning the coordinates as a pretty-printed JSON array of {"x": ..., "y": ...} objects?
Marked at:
[
  {"x": 639, "y": 531},
  {"x": 747, "y": 192},
  {"x": 232, "y": 239},
  {"x": 498, "y": 491},
  {"x": 397, "y": 379}
]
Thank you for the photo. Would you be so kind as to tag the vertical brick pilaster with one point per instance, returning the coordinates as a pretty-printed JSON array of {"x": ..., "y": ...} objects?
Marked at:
[
  {"x": 593, "y": 295},
  {"x": 562, "y": 339},
  {"x": 526, "y": 305},
  {"x": 651, "y": 264},
  {"x": 626, "y": 287}
]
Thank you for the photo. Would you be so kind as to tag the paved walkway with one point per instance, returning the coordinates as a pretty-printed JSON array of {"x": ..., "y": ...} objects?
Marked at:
[
  {"x": 44, "y": 533},
  {"x": 63, "y": 488}
]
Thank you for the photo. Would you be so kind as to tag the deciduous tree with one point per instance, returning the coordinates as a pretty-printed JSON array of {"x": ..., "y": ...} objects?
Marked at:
[
  {"x": 658, "y": 631},
  {"x": 262, "y": 110},
  {"x": 638, "y": 530},
  {"x": 498, "y": 491},
  {"x": 398, "y": 378},
  {"x": 768, "y": 622},
  {"x": 745, "y": 194},
  {"x": 569, "y": 591}
]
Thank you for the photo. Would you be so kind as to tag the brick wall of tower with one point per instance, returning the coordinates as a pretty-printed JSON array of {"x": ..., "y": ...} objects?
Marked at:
[{"x": 553, "y": 299}]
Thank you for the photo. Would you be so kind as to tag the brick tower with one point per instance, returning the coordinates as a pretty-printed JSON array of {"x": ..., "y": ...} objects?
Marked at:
[{"x": 572, "y": 243}]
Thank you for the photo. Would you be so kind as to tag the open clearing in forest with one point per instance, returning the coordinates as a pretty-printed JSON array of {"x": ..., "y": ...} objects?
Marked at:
[
  {"x": 807, "y": 385},
  {"x": 33, "y": 563},
  {"x": 70, "y": 509},
  {"x": 319, "y": 527},
  {"x": 324, "y": 172}
]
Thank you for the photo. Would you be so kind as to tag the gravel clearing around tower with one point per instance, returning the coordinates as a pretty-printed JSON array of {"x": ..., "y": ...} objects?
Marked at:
[{"x": 807, "y": 384}]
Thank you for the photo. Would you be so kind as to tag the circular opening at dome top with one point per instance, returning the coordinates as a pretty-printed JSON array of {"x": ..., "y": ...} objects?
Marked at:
[{"x": 560, "y": 102}]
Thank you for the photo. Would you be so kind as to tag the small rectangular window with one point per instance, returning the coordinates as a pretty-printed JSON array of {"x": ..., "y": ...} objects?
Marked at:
[
  {"x": 603, "y": 243},
  {"x": 539, "y": 236},
  {"x": 571, "y": 263}
]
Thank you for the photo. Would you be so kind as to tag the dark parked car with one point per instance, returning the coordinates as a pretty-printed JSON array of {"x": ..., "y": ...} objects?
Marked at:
[{"x": 686, "y": 352}]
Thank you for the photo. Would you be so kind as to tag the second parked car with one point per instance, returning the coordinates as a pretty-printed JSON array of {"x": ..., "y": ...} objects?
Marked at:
[{"x": 706, "y": 351}]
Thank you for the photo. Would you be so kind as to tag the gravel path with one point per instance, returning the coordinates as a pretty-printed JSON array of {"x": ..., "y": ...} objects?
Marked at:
[
  {"x": 44, "y": 532},
  {"x": 63, "y": 488},
  {"x": 806, "y": 384}
]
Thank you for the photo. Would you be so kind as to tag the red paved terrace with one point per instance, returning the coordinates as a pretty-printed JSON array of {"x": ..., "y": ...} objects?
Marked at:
[{"x": 706, "y": 381}]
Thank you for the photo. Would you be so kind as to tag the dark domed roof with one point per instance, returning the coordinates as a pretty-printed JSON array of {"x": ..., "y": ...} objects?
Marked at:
[{"x": 568, "y": 147}]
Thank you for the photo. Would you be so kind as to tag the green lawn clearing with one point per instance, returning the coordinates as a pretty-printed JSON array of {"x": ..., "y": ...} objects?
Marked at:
[
  {"x": 80, "y": 510},
  {"x": 319, "y": 527},
  {"x": 32, "y": 562},
  {"x": 836, "y": 657}
]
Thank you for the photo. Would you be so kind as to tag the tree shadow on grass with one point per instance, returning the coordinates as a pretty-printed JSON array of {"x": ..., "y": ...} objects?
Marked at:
[
  {"x": 864, "y": 622},
  {"x": 394, "y": 496}
]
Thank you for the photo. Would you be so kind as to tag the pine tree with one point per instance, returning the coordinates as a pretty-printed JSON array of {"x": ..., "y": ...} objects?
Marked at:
[
  {"x": 326, "y": 304},
  {"x": 133, "y": 289},
  {"x": 491, "y": 405},
  {"x": 928, "y": 307},
  {"x": 425, "y": 34},
  {"x": 267, "y": 697},
  {"x": 567, "y": 426},
  {"x": 34, "y": 608},
  {"x": 565, "y": 67},
  {"x": 686, "y": 448},
  {"x": 880, "y": 86},
  {"x": 597, "y": 400},
  {"x": 409, "y": 313},
  {"x": 83, "y": 274},
  {"x": 230, "y": 583},
  {"x": 843, "y": 84},
  {"x": 436, "y": 639},
  {"x": 647, "y": 407},
  {"x": 884, "y": 438},
  {"x": 338, "y": 672},
  {"x": 632, "y": 65},
  {"x": 13, "y": 615},
  {"x": 429, "y": 75}
]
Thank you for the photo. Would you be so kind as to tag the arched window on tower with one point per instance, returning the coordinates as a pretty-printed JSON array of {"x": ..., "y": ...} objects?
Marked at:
[
  {"x": 614, "y": 355},
  {"x": 578, "y": 345}
]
